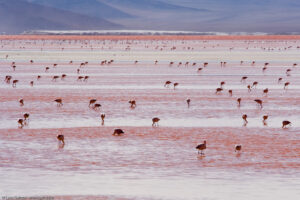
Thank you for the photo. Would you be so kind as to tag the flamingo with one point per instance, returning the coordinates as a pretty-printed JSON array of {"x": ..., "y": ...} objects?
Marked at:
[
  {"x": 249, "y": 88},
  {"x": 238, "y": 148},
  {"x": 167, "y": 83},
  {"x": 118, "y": 132},
  {"x": 86, "y": 78},
  {"x": 265, "y": 91},
  {"x": 80, "y": 78},
  {"x": 102, "y": 118},
  {"x": 155, "y": 121},
  {"x": 239, "y": 102},
  {"x": 218, "y": 90},
  {"x": 92, "y": 101},
  {"x": 259, "y": 102},
  {"x": 188, "y": 101},
  {"x": 21, "y": 101},
  {"x": 61, "y": 138},
  {"x": 288, "y": 72},
  {"x": 132, "y": 103},
  {"x": 59, "y": 102},
  {"x": 254, "y": 84},
  {"x": 54, "y": 78},
  {"x": 243, "y": 79},
  {"x": 264, "y": 69},
  {"x": 222, "y": 83},
  {"x": 21, "y": 123},
  {"x": 96, "y": 106},
  {"x": 7, "y": 79},
  {"x": 285, "y": 123},
  {"x": 265, "y": 117},
  {"x": 14, "y": 83},
  {"x": 175, "y": 84},
  {"x": 286, "y": 84},
  {"x": 63, "y": 76},
  {"x": 201, "y": 147},
  {"x": 244, "y": 117},
  {"x": 26, "y": 116}
]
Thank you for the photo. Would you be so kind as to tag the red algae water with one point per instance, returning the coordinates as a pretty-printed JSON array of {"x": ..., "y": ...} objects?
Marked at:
[{"x": 150, "y": 162}]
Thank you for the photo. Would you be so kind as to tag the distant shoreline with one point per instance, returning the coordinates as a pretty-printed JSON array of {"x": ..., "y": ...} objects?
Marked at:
[{"x": 149, "y": 37}]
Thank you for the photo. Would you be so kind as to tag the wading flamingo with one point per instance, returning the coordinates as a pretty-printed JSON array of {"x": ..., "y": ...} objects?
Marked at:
[
  {"x": 285, "y": 85},
  {"x": 102, "y": 118},
  {"x": 254, "y": 84},
  {"x": 244, "y": 117},
  {"x": 175, "y": 85},
  {"x": 7, "y": 79},
  {"x": 155, "y": 121},
  {"x": 285, "y": 123},
  {"x": 14, "y": 83},
  {"x": 59, "y": 102},
  {"x": 118, "y": 132},
  {"x": 21, "y": 101},
  {"x": 201, "y": 147},
  {"x": 54, "y": 78},
  {"x": 218, "y": 90},
  {"x": 265, "y": 91},
  {"x": 265, "y": 117},
  {"x": 167, "y": 83},
  {"x": 239, "y": 102},
  {"x": 243, "y": 79},
  {"x": 132, "y": 103},
  {"x": 92, "y": 101},
  {"x": 96, "y": 106},
  {"x": 238, "y": 148},
  {"x": 61, "y": 138},
  {"x": 20, "y": 122},
  {"x": 188, "y": 101},
  {"x": 259, "y": 102}
]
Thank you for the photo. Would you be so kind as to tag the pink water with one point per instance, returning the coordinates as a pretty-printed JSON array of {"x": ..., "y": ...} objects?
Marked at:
[{"x": 149, "y": 162}]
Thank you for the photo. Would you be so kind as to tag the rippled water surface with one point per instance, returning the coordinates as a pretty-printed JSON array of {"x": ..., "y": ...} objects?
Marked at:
[{"x": 150, "y": 162}]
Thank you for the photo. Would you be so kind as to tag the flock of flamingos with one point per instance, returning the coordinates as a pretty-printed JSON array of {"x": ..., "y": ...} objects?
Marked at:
[{"x": 92, "y": 103}]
